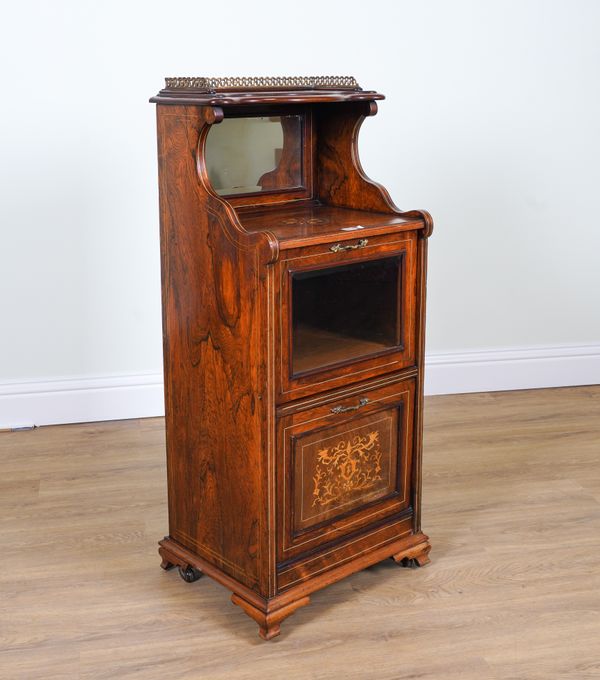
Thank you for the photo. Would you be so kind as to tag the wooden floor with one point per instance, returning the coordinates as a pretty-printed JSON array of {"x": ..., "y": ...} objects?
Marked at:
[{"x": 512, "y": 505}]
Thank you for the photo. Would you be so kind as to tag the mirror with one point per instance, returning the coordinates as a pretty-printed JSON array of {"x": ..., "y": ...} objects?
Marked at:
[{"x": 248, "y": 155}]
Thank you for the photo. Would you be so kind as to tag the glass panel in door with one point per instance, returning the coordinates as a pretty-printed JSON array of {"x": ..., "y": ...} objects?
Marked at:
[{"x": 345, "y": 312}]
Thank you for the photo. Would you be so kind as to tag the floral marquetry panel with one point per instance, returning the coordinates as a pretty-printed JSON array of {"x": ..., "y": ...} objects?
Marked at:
[{"x": 344, "y": 467}]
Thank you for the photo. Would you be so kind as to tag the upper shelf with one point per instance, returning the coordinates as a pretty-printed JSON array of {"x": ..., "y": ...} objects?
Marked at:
[
  {"x": 310, "y": 224},
  {"x": 262, "y": 90}
]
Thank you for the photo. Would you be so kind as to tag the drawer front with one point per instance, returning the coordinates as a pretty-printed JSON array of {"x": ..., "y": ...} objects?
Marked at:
[
  {"x": 343, "y": 466},
  {"x": 347, "y": 313}
]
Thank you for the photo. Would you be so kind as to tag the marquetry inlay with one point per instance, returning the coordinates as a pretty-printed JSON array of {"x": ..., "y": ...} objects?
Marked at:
[{"x": 349, "y": 466}]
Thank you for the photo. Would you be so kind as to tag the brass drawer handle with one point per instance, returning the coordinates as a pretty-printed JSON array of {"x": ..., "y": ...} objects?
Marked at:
[
  {"x": 338, "y": 247},
  {"x": 343, "y": 409}
]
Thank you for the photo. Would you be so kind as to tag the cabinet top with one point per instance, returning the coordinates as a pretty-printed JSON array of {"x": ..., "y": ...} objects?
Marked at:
[{"x": 237, "y": 91}]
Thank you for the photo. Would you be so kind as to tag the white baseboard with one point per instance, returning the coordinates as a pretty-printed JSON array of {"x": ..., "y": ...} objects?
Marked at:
[
  {"x": 512, "y": 369},
  {"x": 81, "y": 400}
]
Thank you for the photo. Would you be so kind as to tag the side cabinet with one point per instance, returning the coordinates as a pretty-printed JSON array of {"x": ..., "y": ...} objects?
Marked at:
[{"x": 293, "y": 294}]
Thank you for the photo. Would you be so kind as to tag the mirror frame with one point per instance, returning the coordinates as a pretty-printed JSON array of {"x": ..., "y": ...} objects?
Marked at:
[{"x": 257, "y": 198}]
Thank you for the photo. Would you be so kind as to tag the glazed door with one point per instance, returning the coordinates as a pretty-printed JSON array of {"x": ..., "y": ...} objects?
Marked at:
[
  {"x": 344, "y": 465},
  {"x": 349, "y": 313},
  {"x": 345, "y": 312}
]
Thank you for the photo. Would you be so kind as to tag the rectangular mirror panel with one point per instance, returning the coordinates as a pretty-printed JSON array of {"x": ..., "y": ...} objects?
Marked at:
[{"x": 258, "y": 154}]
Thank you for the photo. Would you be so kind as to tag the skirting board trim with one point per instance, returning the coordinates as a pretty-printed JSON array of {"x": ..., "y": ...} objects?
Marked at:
[
  {"x": 81, "y": 400},
  {"x": 78, "y": 400},
  {"x": 512, "y": 369}
]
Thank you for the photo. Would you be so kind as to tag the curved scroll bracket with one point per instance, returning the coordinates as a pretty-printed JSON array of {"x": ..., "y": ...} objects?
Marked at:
[
  {"x": 342, "y": 180},
  {"x": 427, "y": 221},
  {"x": 213, "y": 114}
]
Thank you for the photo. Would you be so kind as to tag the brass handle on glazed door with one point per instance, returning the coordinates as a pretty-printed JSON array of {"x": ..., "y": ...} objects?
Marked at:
[
  {"x": 338, "y": 247},
  {"x": 343, "y": 409}
]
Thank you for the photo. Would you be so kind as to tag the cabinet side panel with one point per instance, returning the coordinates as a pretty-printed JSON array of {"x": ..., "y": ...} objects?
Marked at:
[
  {"x": 213, "y": 361},
  {"x": 341, "y": 179},
  {"x": 421, "y": 292}
]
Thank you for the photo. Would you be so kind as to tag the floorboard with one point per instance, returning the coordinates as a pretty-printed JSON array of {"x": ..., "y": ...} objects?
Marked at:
[{"x": 511, "y": 503}]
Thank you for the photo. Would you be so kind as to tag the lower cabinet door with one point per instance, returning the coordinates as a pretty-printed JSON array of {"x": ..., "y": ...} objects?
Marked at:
[{"x": 344, "y": 465}]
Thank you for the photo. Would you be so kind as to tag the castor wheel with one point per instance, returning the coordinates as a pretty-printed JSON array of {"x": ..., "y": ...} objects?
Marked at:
[
  {"x": 414, "y": 560},
  {"x": 410, "y": 563},
  {"x": 189, "y": 574}
]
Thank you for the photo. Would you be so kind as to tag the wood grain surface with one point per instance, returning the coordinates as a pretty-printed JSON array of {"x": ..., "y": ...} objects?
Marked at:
[
  {"x": 229, "y": 310},
  {"x": 215, "y": 330},
  {"x": 511, "y": 502},
  {"x": 310, "y": 224}
]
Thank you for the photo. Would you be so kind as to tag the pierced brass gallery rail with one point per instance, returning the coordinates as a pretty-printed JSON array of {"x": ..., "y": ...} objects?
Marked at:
[{"x": 277, "y": 82}]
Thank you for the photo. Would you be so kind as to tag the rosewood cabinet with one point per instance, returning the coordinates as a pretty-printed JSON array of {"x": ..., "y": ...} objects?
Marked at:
[{"x": 293, "y": 297}]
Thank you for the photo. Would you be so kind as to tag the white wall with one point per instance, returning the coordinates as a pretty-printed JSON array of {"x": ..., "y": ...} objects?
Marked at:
[{"x": 491, "y": 123}]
